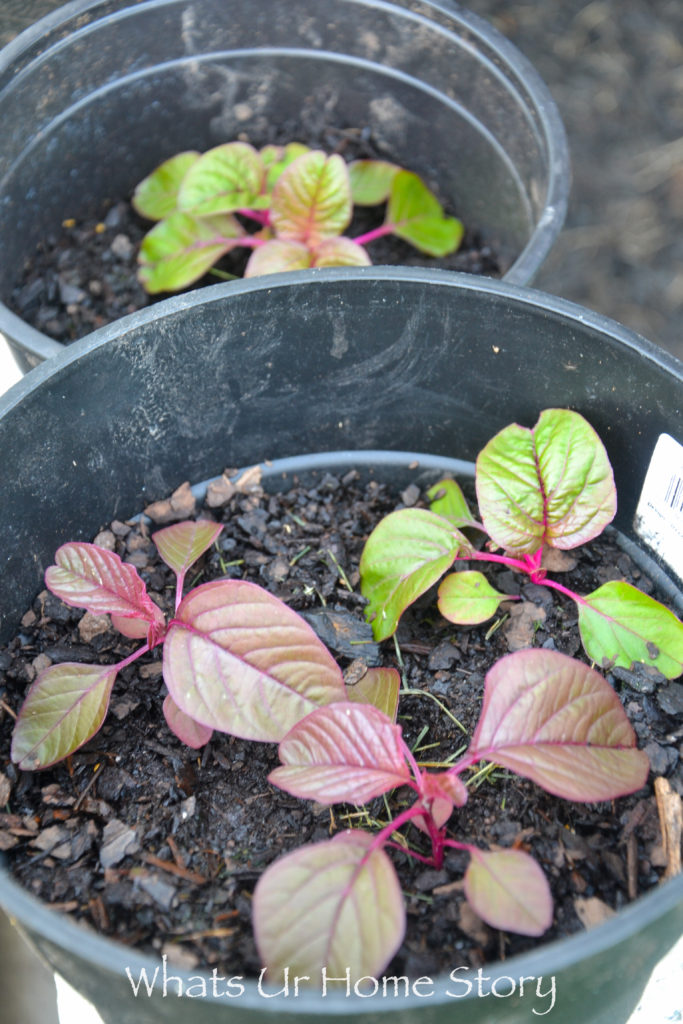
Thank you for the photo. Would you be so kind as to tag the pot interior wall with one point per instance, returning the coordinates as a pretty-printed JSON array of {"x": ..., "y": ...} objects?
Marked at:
[
  {"x": 118, "y": 87},
  {"x": 413, "y": 361}
]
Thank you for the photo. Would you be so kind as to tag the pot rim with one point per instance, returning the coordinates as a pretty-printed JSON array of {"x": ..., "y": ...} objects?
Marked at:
[
  {"x": 517, "y": 295},
  {"x": 483, "y": 38}
]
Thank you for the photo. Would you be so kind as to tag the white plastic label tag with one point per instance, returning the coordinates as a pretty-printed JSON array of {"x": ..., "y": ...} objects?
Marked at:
[{"x": 659, "y": 516}]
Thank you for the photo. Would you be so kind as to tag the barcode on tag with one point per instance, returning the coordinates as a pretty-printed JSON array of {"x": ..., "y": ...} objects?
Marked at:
[
  {"x": 674, "y": 494},
  {"x": 659, "y": 516}
]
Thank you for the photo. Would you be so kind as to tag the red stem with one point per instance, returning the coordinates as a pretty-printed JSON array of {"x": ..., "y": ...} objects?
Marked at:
[
  {"x": 261, "y": 216},
  {"x": 370, "y": 236}
]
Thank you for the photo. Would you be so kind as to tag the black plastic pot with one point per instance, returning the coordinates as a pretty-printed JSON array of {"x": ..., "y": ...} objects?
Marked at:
[
  {"x": 314, "y": 361},
  {"x": 97, "y": 94}
]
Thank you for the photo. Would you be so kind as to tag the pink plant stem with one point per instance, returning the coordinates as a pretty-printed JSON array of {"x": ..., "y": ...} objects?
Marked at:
[
  {"x": 132, "y": 657},
  {"x": 411, "y": 853},
  {"x": 459, "y": 846},
  {"x": 382, "y": 837},
  {"x": 180, "y": 580},
  {"x": 370, "y": 236},
  {"x": 261, "y": 216},
  {"x": 531, "y": 567},
  {"x": 564, "y": 590}
]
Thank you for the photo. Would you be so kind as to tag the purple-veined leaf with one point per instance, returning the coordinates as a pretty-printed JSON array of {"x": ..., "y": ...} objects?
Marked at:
[
  {"x": 404, "y": 555},
  {"x": 447, "y": 500},
  {"x": 276, "y": 159},
  {"x": 508, "y": 890},
  {"x": 371, "y": 181},
  {"x": 551, "y": 485},
  {"x": 181, "y": 248},
  {"x": 192, "y": 734},
  {"x": 156, "y": 196},
  {"x": 342, "y": 753},
  {"x": 340, "y": 252},
  {"x": 181, "y": 544},
  {"x": 312, "y": 199},
  {"x": 241, "y": 661},
  {"x": 620, "y": 624},
  {"x": 276, "y": 256},
  {"x": 349, "y": 910},
  {"x": 64, "y": 708},
  {"x": 379, "y": 687},
  {"x": 558, "y": 722},
  {"x": 468, "y": 598},
  {"x": 440, "y": 792},
  {"x": 224, "y": 179},
  {"x": 416, "y": 215},
  {"x": 88, "y": 576}
]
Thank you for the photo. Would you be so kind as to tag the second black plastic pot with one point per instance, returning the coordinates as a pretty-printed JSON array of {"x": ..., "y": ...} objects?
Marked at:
[
  {"x": 96, "y": 95},
  {"x": 317, "y": 362}
]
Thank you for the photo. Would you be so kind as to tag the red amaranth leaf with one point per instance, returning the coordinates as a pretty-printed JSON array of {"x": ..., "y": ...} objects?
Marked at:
[
  {"x": 241, "y": 661},
  {"x": 87, "y": 576},
  {"x": 558, "y": 722},
  {"x": 508, "y": 890},
  {"x": 349, "y": 910},
  {"x": 342, "y": 753},
  {"x": 64, "y": 708},
  {"x": 192, "y": 733},
  {"x": 181, "y": 544}
]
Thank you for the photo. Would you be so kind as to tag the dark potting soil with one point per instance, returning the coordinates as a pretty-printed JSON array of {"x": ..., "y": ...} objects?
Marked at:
[
  {"x": 84, "y": 276},
  {"x": 160, "y": 846}
]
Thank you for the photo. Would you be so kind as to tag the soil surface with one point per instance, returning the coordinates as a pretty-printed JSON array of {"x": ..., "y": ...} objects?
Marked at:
[
  {"x": 85, "y": 277},
  {"x": 160, "y": 846}
]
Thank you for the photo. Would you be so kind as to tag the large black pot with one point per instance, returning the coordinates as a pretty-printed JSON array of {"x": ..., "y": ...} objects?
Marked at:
[
  {"x": 97, "y": 94},
  {"x": 319, "y": 362}
]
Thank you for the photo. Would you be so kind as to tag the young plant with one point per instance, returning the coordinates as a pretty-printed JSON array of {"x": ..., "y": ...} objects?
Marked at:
[
  {"x": 235, "y": 658},
  {"x": 298, "y": 203},
  {"x": 548, "y": 487},
  {"x": 545, "y": 716}
]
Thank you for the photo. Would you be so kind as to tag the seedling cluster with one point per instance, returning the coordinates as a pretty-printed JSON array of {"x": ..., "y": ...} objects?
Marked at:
[
  {"x": 238, "y": 660},
  {"x": 290, "y": 205}
]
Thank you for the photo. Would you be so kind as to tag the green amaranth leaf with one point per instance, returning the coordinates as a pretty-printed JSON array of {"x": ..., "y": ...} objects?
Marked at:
[
  {"x": 181, "y": 248},
  {"x": 371, "y": 181},
  {"x": 156, "y": 196},
  {"x": 276, "y": 159},
  {"x": 224, "y": 179},
  {"x": 64, "y": 708},
  {"x": 446, "y": 499},
  {"x": 552, "y": 484},
  {"x": 312, "y": 199},
  {"x": 349, "y": 910},
  {"x": 416, "y": 215},
  {"x": 468, "y": 598},
  {"x": 404, "y": 555},
  {"x": 620, "y": 625}
]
